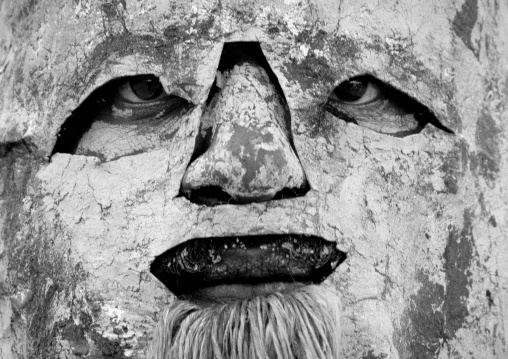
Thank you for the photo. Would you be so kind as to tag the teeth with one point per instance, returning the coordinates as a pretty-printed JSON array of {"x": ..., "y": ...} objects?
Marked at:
[{"x": 208, "y": 262}]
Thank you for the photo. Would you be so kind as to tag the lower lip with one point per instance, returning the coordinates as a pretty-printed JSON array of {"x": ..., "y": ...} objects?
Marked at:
[{"x": 226, "y": 293}]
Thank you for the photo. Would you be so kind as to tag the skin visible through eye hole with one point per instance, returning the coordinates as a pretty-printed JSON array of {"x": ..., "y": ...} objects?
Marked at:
[{"x": 422, "y": 218}]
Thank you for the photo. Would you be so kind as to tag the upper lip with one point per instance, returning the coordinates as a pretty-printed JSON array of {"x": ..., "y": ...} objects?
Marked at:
[{"x": 205, "y": 262}]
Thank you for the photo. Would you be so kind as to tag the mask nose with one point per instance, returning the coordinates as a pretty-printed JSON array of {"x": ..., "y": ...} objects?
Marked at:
[{"x": 245, "y": 151}]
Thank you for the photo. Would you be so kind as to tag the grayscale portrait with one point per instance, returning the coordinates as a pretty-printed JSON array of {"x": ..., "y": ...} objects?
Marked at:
[{"x": 212, "y": 179}]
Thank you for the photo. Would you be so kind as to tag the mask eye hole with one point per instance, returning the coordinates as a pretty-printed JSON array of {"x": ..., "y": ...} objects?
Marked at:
[
  {"x": 357, "y": 90},
  {"x": 369, "y": 102},
  {"x": 140, "y": 89},
  {"x": 138, "y": 102}
]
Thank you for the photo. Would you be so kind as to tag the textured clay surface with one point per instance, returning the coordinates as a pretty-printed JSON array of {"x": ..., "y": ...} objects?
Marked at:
[{"x": 422, "y": 218}]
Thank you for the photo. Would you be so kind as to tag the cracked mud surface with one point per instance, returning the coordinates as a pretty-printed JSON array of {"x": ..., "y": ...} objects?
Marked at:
[{"x": 423, "y": 218}]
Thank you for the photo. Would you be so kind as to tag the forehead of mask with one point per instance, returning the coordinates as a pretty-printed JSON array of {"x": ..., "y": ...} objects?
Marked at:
[{"x": 57, "y": 52}]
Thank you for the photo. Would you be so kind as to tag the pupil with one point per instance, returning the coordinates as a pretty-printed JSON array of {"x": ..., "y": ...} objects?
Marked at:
[
  {"x": 352, "y": 90},
  {"x": 146, "y": 88}
]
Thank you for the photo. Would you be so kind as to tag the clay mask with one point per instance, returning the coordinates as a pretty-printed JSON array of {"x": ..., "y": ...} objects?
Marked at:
[{"x": 340, "y": 160}]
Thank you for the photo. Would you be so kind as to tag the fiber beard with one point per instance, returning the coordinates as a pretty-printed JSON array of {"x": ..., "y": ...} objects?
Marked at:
[{"x": 303, "y": 324}]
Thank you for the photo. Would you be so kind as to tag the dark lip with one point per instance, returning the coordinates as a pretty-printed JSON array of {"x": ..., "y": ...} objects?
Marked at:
[{"x": 212, "y": 261}]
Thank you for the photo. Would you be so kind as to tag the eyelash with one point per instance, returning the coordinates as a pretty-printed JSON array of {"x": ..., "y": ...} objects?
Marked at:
[{"x": 121, "y": 96}]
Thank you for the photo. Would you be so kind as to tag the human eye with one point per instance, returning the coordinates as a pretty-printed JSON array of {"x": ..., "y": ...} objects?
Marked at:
[
  {"x": 368, "y": 102},
  {"x": 140, "y": 89},
  {"x": 137, "y": 98},
  {"x": 117, "y": 116}
]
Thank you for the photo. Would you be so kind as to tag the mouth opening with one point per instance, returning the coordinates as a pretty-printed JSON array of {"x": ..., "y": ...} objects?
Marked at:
[{"x": 252, "y": 260}]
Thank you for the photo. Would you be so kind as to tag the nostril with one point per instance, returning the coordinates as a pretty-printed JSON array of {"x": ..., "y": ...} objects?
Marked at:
[
  {"x": 214, "y": 196},
  {"x": 208, "y": 196}
]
